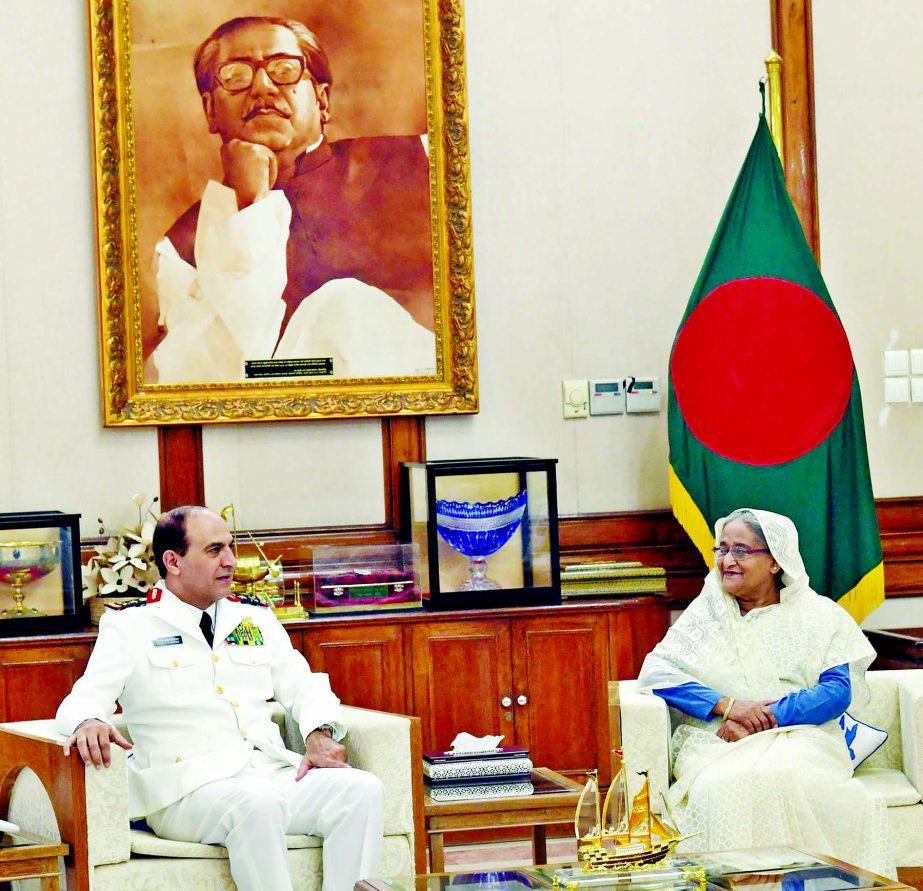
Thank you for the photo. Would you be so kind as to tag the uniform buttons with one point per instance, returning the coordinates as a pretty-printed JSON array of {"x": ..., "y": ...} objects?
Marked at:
[
  {"x": 243, "y": 732},
  {"x": 215, "y": 658},
  {"x": 178, "y": 759},
  {"x": 175, "y": 664},
  {"x": 233, "y": 703},
  {"x": 219, "y": 690}
]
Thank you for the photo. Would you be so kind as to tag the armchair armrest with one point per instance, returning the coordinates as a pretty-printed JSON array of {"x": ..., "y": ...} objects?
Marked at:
[
  {"x": 90, "y": 806},
  {"x": 910, "y": 691},
  {"x": 382, "y": 744},
  {"x": 646, "y": 735}
]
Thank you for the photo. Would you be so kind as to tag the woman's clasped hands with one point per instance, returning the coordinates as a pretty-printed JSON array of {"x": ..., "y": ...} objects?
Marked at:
[{"x": 744, "y": 717}]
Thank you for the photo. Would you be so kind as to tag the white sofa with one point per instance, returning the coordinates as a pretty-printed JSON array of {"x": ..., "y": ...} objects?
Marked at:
[
  {"x": 58, "y": 797},
  {"x": 894, "y": 772}
]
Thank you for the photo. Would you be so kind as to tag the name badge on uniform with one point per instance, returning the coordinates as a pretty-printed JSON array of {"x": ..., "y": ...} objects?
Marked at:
[
  {"x": 167, "y": 641},
  {"x": 246, "y": 634}
]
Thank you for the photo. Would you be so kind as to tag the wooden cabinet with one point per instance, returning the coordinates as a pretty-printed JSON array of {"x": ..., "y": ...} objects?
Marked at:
[
  {"x": 536, "y": 675},
  {"x": 36, "y": 675},
  {"x": 365, "y": 663},
  {"x": 560, "y": 683},
  {"x": 540, "y": 682},
  {"x": 462, "y": 677}
]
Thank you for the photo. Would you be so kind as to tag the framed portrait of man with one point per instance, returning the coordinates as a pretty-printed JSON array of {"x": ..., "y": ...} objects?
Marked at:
[{"x": 283, "y": 209}]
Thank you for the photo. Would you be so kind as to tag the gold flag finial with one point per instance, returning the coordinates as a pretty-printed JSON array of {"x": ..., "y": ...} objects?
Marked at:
[{"x": 774, "y": 77}]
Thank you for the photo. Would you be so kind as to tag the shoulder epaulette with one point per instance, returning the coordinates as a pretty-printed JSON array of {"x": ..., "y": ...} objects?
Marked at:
[
  {"x": 247, "y": 598},
  {"x": 127, "y": 604}
]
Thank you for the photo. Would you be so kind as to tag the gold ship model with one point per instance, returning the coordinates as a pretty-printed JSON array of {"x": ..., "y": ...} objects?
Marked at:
[{"x": 616, "y": 837}]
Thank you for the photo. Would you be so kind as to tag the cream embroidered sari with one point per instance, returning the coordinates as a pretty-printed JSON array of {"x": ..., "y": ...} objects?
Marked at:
[{"x": 788, "y": 786}]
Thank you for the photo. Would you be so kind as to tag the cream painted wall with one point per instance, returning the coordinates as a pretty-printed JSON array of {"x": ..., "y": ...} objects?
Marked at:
[
  {"x": 296, "y": 474},
  {"x": 868, "y": 96},
  {"x": 869, "y": 93},
  {"x": 53, "y": 451},
  {"x": 605, "y": 137},
  {"x": 603, "y": 150}
]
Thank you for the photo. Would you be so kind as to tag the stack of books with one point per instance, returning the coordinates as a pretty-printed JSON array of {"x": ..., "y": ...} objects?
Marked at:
[
  {"x": 503, "y": 772},
  {"x": 611, "y": 579}
]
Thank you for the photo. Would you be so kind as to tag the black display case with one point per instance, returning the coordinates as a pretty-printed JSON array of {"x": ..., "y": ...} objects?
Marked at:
[
  {"x": 41, "y": 590},
  {"x": 486, "y": 529}
]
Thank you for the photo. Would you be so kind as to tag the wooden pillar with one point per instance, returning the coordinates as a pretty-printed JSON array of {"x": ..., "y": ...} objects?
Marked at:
[
  {"x": 182, "y": 472},
  {"x": 402, "y": 439},
  {"x": 792, "y": 38}
]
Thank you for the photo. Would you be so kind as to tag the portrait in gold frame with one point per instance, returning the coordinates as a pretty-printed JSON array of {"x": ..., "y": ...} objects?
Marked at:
[{"x": 152, "y": 155}]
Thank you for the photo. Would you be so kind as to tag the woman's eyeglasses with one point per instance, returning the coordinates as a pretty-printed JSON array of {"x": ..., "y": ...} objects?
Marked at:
[{"x": 738, "y": 552}]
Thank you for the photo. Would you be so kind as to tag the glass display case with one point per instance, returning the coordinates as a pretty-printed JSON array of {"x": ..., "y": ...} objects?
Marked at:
[
  {"x": 486, "y": 529},
  {"x": 41, "y": 591},
  {"x": 365, "y": 579}
]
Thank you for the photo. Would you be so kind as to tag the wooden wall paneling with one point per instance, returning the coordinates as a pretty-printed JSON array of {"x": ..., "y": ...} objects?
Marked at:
[
  {"x": 402, "y": 439},
  {"x": 792, "y": 38},
  {"x": 365, "y": 663},
  {"x": 461, "y": 671},
  {"x": 562, "y": 670},
  {"x": 182, "y": 472},
  {"x": 34, "y": 679},
  {"x": 653, "y": 537}
]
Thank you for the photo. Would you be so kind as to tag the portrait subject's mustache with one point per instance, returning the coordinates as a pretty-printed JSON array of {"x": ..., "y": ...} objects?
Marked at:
[{"x": 265, "y": 108}]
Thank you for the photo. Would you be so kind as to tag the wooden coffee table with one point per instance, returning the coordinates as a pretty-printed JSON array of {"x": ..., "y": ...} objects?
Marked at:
[{"x": 535, "y": 811}]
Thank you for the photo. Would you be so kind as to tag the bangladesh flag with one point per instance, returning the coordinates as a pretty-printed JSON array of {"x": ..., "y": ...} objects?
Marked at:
[{"x": 764, "y": 406}]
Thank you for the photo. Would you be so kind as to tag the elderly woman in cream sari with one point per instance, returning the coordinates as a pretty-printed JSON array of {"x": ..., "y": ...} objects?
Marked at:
[{"x": 760, "y": 668}]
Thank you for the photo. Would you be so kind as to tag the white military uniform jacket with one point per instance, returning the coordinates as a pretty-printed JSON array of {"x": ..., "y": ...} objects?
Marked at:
[{"x": 195, "y": 714}]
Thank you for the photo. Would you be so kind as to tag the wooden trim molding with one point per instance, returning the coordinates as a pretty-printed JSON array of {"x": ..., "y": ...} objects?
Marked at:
[
  {"x": 402, "y": 439},
  {"x": 656, "y": 539},
  {"x": 793, "y": 40},
  {"x": 182, "y": 471}
]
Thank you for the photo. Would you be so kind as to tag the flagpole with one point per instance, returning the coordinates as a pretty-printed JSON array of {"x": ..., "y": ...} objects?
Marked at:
[{"x": 773, "y": 64}]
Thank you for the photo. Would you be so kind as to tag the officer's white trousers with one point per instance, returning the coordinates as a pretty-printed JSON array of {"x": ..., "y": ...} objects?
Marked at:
[{"x": 251, "y": 813}]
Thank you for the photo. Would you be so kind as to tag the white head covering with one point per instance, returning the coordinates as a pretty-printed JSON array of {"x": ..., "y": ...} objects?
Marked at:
[
  {"x": 781, "y": 538},
  {"x": 772, "y": 650}
]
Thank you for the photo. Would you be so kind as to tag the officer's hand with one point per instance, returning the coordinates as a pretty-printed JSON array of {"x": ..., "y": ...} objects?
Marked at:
[
  {"x": 321, "y": 750},
  {"x": 249, "y": 169},
  {"x": 92, "y": 738}
]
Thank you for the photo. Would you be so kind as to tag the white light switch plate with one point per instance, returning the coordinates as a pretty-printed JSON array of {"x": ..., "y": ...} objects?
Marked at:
[
  {"x": 897, "y": 389},
  {"x": 897, "y": 363}
]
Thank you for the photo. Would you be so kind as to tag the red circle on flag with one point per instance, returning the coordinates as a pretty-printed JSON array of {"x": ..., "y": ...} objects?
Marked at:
[{"x": 762, "y": 371}]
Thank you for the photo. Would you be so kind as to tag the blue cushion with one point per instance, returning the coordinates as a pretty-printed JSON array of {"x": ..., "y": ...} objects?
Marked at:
[{"x": 862, "y": 740}]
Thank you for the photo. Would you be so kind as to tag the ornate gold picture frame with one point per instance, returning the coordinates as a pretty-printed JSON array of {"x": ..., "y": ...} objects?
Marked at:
[{"x": 309, "y": 295}]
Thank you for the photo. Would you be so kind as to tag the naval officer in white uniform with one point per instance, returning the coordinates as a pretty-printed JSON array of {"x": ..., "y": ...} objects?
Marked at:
[{"x": 208, "y": 764}]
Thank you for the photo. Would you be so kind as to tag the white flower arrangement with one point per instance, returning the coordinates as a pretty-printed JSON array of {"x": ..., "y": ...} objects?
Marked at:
[{"x": 125, "y": 563}]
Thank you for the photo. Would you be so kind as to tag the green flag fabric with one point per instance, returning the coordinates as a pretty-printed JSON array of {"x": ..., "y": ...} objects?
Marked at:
[{"x": 764, "y": 407}]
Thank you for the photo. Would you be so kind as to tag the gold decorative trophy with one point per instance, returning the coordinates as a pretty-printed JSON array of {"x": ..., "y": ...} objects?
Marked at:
[
  {"x": 22, "y": 562},
  {"x": 260, "y": 576}
]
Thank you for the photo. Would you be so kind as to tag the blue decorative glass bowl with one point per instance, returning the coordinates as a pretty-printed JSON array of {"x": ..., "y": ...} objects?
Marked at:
[{"x": 478, "y": 529}]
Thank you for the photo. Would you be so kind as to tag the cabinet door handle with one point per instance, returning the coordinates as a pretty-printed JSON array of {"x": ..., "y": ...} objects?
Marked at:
[
  {"x": 522, "y": 699},
  {"x": 506, "y": 702}
]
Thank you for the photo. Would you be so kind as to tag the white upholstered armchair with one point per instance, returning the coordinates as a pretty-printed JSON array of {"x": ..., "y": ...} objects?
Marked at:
[
  {"x": 60, "y": 798},
  {"x": 895, "y": 771}
]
